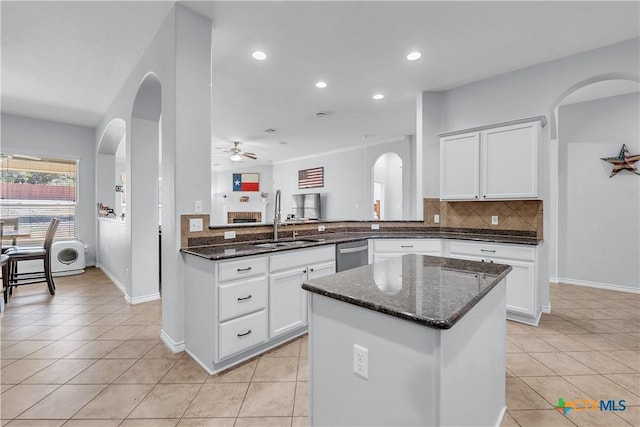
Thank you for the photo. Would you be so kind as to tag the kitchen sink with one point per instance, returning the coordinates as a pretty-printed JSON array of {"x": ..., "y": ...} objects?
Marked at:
[{"x": 284, "y": 244}]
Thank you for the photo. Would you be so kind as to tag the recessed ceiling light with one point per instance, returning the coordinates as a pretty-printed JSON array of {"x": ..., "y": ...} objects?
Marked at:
[
  {"x": 378, "y": 96},
  {"x": 270, "y": 130},
  {"x": 259, "y": 55},
  {"x": 283, "y": 142},
  {"x": 413, "y": 56},
  {"x": 321, "y": 84}
]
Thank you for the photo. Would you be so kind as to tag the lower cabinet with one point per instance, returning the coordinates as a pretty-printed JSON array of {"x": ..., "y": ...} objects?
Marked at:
[
  {"x": 390, "y": 248},
  {"x": 241, "y": 307},
  {"x": 287, "y": 299},
  {"x": 242, "y": 333},
  {"x": 522, "y": 298}
]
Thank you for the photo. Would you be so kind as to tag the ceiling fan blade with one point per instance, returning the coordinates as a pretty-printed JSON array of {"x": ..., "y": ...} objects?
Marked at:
[{"x": 249, "y": 155}]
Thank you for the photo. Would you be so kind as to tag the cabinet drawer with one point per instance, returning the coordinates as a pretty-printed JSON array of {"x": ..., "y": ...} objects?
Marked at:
[
  {"x": 407, "y": 246},
  {"x": 245, "y": 267},
  {"x": 242, "y": 333},
  {"x": 493, "y": 250},
  {"x": 302, "y": 257},
  {"x": 236, "y": 299}
]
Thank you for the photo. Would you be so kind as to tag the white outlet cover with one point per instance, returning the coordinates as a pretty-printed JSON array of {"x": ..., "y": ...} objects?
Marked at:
[
  {"x": 198, "y": 206},
  {"x": 195, "y": 224},
  {"x": 494, "y": 220},
  {"x": 436, "y": 219},
  {"x": 375, "y": 226},
  {"x": 230, "y": 234},
  {"x": 321, "y": 228},
  {"x": 361, "y": 361}
]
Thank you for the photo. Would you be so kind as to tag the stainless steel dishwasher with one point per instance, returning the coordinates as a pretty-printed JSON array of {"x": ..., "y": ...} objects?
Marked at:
[{"x": 351, "y": 255}]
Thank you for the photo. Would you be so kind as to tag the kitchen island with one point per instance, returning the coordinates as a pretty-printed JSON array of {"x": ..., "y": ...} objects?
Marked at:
[{"x": 413, "y": 340}]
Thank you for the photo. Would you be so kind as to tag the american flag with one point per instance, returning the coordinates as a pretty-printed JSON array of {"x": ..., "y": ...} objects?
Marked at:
[{"x": 310, "y": 178}]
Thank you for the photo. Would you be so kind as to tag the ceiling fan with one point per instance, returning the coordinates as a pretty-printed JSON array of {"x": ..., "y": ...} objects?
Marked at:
[{"x": 237, "y": 153}]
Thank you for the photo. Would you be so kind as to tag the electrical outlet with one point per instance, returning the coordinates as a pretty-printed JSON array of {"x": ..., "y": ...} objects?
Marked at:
[
  {"x": 198, "y": 206},
  {"x": 494, "y": 220},
  {"x": 436, "y": 219},
  {"x": 195, "y": 224},
  {"x": 361, "y": 361},
  {"x": 230, "y": 234},
  {"x": 375, "y": 226},
  {"x": 321, "y": 228}
]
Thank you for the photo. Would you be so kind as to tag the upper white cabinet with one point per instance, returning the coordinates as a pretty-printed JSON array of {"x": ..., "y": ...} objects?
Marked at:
[
  {"x": 460, "y": 166},
  {"x": 491, "y": 163}
]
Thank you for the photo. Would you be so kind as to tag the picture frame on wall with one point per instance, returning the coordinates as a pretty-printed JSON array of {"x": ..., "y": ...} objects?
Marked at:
[
  {"x": 311, "y": 178},
  {"x": 246, "y": 181}
]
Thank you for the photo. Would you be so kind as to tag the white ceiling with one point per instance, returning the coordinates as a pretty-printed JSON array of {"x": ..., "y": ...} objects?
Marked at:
[{"x": 65, "y": 61}]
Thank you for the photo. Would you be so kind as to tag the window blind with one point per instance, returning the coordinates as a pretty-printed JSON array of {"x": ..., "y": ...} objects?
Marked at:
[{"x": 34, "y": 190}]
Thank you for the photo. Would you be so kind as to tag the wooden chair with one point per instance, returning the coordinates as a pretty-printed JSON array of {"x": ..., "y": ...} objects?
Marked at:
[
  {"x": 25, "y": 253},
  {"x": 10, "y": 223}
]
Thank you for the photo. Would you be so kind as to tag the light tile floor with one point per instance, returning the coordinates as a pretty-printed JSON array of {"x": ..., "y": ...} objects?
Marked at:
[{"x": 87, "y": 358}]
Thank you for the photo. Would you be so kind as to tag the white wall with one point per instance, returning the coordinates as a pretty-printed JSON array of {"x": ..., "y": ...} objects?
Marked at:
[
  {"x": 180, "y": 55},
  {"x": 50, "y": 139},
  {"x": 533, "y": 91},
  {"x": 222, "y": 185},
  {"x": 348, "y": 180},
  {"x": 599, "y": 217}
]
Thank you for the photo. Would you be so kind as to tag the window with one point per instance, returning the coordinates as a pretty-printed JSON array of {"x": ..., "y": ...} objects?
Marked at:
[{"x": 34, "y": 190}]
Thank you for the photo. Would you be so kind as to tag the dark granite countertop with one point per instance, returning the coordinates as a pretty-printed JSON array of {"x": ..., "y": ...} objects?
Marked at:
[
  {"x": 234, "y": 250},
  {"x": 432, "y": 291}
]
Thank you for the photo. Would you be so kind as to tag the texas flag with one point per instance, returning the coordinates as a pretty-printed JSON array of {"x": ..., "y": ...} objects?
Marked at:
[{"x": 246, "y": 182}]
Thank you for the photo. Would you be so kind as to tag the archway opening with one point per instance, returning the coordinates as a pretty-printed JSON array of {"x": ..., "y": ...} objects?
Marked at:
[
  {"x": 387, "y": 187},
  {"x": 593, "y": 122},
  {"x": 142, "y": 196}
]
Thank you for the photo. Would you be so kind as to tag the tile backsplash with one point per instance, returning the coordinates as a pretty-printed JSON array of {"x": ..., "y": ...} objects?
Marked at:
[{"x": 520, "y": 215}]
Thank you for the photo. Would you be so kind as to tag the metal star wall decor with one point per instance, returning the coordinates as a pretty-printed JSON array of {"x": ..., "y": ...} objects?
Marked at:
[{"x": 623, "y": 161}]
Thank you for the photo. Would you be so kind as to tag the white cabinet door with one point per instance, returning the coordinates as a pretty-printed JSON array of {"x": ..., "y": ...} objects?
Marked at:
[
  {"x": 460, "y": 167},
  {"x": 319, "y": 270},
  {"x": 287, "y": 301},
  {"x": 510, "y": 162},
  {"x": 520, "y": 286}
]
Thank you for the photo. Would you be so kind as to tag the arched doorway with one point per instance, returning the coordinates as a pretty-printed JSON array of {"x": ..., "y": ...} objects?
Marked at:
[
  {"x": 592, "y": 121},
  {"x": 142, "y": 191},
  {"x": 387, "y": 187}
]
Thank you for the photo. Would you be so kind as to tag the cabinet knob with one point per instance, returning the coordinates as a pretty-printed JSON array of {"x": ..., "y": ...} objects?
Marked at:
[
  {"x": 304, "y": 271},
  {"x": 311, "y": 269}
]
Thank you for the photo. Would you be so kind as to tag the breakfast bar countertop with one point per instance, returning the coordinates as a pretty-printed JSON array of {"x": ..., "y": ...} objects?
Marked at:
[{"x": 432, "y": 291}]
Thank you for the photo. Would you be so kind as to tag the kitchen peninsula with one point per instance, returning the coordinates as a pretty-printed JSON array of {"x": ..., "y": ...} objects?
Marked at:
[{"x": 413, "y": 340}]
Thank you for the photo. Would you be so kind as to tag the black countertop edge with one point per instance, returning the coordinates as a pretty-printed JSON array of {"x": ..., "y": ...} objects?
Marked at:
[
  {"x": 421, "y": 320},
  {"x": 241, "y": 249}
]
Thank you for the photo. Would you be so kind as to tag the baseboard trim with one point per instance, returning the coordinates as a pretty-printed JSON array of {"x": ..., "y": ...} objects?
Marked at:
[
  {"x": 115, "y": 281},
  {"x": 598, "y": 285},
  {"x": 174, "y": 347},
  {"x": 144, "y": 298},
  {"x": 546, "y": 309},
  {"x": 553, "y": 280}
]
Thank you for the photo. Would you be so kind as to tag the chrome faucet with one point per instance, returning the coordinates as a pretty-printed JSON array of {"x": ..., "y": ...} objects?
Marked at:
[{"x": 276, "y": 216}]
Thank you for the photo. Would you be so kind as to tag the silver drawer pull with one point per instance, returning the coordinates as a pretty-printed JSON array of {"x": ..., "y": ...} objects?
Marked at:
[
  {"x": 245, "y": 298},
  {"x": 244, "y": 269},
  {"x": 245, "y": 334},
  {"x": 488, "y": 250},
  {"x": 406, "y": 246},
  {"x": 352, "y": 250}
]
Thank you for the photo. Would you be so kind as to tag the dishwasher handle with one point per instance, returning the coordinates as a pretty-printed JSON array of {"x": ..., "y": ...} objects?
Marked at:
[{"x": 352, "y": 250}]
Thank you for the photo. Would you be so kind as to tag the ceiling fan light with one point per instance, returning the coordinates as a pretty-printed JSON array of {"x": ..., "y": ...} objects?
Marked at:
[{"x": 235, "y": 157}]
